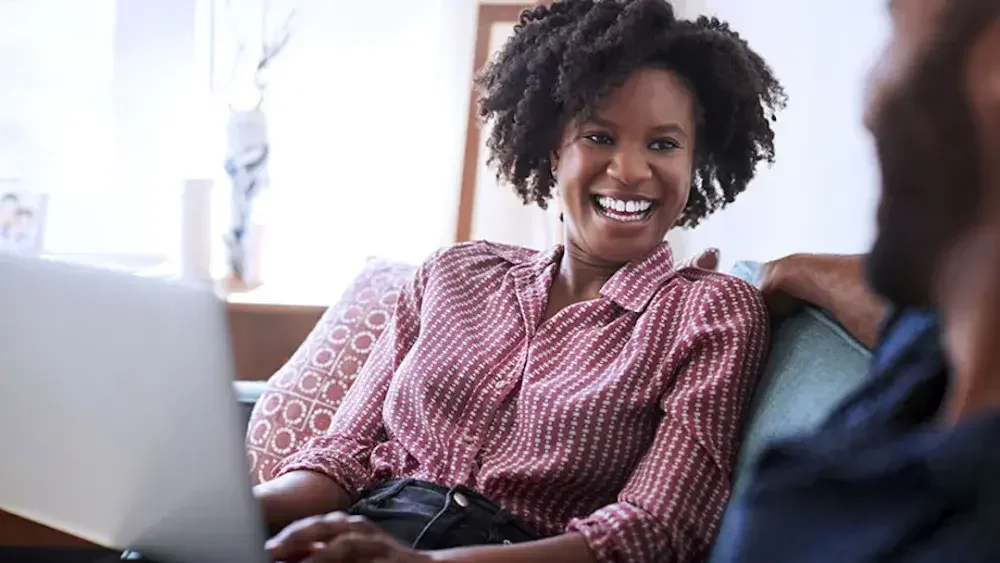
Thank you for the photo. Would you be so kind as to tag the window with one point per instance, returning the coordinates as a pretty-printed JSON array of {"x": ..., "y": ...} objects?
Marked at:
[
  {"x": 56, "y": 133},
  {"x": 108, "y": 105},
  {"x": 366, "y": 110},
  {"x": 99, "y": 100}
]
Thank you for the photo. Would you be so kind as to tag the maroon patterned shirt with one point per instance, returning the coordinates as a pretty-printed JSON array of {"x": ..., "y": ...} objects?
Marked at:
[{"x": 617, "y": 418}]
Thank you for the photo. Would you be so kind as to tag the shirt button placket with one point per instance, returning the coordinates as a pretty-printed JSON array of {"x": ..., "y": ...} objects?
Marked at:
[{"x": 473, "y": 447}]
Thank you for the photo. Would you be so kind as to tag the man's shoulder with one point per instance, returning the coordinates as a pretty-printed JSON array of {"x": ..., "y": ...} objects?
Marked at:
[
  {"x": 905, "y": 333},
  {"x": 907, "y": 381}
]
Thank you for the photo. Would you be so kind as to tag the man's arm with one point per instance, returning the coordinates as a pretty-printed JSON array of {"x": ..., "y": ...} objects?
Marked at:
[{"x": 833, "y": 282}]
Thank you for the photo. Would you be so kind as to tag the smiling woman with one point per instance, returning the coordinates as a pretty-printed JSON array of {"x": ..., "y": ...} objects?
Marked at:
[
  {"x": 583, "y": 402},
  {"x": 633, "y": 150}
]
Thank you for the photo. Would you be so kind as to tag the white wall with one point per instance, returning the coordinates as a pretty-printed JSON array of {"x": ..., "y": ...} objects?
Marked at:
[{"x": 821, "y": 193}]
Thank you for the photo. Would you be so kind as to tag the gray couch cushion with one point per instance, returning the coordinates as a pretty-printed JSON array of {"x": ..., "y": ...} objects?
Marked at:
[{"x": 812, "y": 365}]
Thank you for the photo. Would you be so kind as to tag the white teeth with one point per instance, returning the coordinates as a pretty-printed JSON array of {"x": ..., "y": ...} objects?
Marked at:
[{"x": 622, "y": 206}]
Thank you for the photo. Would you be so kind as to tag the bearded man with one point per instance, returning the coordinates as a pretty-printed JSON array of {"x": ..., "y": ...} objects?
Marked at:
[{"x": 907, "y": 468}]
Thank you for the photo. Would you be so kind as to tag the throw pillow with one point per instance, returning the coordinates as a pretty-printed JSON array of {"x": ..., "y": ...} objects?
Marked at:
[{"x": 302, "y": 397}]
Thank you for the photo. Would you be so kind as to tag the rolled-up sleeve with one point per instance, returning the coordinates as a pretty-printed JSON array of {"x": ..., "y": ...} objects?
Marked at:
[
  {"x": 344, "y": 452},
  {"x": 671, "y": 506}
]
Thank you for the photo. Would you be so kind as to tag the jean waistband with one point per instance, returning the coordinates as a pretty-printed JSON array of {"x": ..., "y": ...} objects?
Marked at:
[{"x": 469, "y": 496}]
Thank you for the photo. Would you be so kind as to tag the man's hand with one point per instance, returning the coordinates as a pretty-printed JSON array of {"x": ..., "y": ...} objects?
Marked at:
[
  {"x": 338, "y": 537},
  {"x": 774, "y": 277},
  {"x": 833, "y": 282}
]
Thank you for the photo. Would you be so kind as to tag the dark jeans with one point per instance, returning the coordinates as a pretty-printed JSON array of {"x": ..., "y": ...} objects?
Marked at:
[{"x": 428, "y": 516}]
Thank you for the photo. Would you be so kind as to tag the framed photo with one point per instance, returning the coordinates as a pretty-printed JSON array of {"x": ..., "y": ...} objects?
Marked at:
[{"x": 22, "y": 219}]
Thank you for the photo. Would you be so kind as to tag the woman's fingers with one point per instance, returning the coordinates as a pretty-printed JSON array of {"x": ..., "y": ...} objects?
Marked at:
[
  {"x": 297, "y": 540},
  {"x": 352, "y": 548}
]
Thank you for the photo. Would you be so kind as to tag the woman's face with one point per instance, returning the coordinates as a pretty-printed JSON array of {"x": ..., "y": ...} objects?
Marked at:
[{"x": 623, "y": 175}]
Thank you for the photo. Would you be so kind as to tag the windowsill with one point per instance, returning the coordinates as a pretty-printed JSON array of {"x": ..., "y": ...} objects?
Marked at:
[
  {"x": 274, "y": 297},
  {"x": 279, "y": 294}
]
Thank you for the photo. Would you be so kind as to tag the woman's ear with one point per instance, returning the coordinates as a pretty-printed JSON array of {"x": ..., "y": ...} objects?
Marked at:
[{"x": 554, "y": 162}]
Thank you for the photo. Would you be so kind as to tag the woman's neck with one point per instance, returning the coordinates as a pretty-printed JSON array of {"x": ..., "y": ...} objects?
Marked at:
[{"x": 581, "y": 276}]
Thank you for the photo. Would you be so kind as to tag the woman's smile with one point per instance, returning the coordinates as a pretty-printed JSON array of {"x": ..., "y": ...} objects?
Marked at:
[{"x": 634, "y": 210}]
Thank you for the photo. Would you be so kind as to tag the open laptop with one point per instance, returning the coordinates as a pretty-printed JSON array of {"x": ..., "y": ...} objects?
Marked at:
[{"x": 118, "y": 421}]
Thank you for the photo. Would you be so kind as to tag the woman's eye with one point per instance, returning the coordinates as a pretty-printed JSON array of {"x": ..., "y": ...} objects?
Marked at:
[
  {"x": 599, "y": 139},
  {"x": 661, "y": 145}
]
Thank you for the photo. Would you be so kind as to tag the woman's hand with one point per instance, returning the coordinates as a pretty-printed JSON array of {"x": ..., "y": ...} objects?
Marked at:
[
  {"x": 296, "y": 495},
  {"x": 338, "y": 537}
]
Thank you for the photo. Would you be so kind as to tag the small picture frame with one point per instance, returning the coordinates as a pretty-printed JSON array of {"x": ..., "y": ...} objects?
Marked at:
[{"x": 22, "y": 219}]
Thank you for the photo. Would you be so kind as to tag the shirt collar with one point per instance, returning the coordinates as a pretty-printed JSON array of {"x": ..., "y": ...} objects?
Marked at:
[
  {"x": 635, "y": 283},
  {"x": 631, "y": 287}
]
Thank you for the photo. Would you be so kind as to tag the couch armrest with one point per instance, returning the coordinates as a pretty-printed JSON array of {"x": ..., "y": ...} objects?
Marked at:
[{"x": 247, "y": 394}]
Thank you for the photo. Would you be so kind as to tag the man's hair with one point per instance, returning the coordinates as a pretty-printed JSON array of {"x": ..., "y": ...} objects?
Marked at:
[{"x": 566, "y": 58}]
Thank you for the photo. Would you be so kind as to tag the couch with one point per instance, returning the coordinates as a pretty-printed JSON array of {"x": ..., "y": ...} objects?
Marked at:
[{"x": 812, "y": 364}]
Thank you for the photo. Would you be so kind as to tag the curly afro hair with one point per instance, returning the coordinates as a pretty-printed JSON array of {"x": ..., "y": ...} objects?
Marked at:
[{"x": 564, "y": 59}]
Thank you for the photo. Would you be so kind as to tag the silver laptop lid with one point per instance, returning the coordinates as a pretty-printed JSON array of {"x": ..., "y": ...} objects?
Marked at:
[{"x": 118, "y": 421}]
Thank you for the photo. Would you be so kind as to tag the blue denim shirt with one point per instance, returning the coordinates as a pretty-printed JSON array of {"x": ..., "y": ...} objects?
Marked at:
[{"x": 878, "y": 481}]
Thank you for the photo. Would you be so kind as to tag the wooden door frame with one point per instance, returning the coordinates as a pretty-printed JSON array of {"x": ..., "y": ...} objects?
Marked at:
[{"x": 489, "y": 14}]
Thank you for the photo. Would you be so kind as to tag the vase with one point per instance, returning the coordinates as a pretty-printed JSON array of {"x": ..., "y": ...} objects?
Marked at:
[{"x": 247, "y": 167}]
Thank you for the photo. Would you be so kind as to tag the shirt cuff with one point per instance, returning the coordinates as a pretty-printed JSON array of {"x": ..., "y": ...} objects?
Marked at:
[
  {"x": 333, "y": 458},
  {"x": 623, "y": 532}
]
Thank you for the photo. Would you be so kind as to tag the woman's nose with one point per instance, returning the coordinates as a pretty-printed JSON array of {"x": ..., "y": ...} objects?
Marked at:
[{"x": 629, "y": 167}]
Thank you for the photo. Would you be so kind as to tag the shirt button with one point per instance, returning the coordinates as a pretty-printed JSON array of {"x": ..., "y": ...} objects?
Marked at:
[{"x": 460, "y": 500}]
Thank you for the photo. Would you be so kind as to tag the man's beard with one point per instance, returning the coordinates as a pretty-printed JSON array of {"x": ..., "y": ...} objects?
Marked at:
[{"x": 931, "y": 177}]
